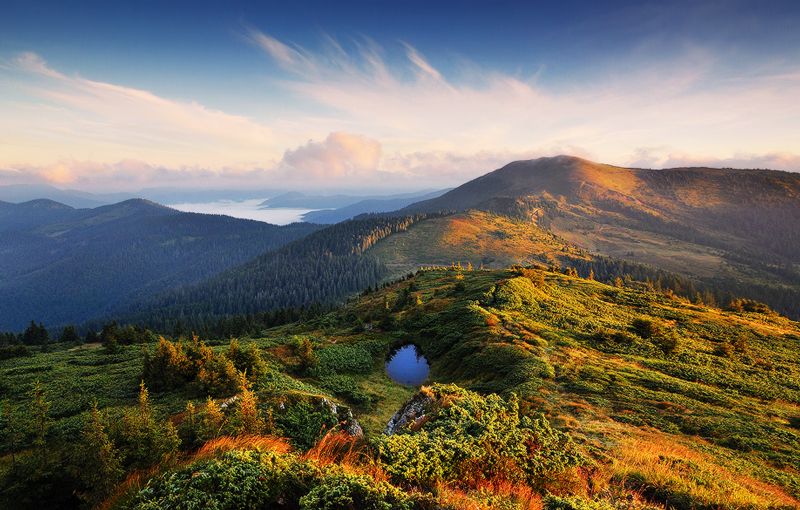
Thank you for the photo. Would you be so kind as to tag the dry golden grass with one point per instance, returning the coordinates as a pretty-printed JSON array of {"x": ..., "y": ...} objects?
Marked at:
[
  {"x": 475, "y": 499},
  {"x": 663, "y": 462},
  {"x": 217, "y": 447}
]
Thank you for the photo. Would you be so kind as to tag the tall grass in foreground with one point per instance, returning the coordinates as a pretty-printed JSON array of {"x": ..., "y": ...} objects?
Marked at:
[
  {"x": 676, "y": 476},
  {"x": 137, "y": 480}
]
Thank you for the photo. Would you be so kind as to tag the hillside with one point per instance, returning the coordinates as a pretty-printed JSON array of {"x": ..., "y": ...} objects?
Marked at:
[
  {"x": 60, "y": 265},
  {"x": 322, "y": 268},
  {"x": 477, "y": 238},
  {"x": 733, "y": 229},
  {"x": 546, "y": 390}
]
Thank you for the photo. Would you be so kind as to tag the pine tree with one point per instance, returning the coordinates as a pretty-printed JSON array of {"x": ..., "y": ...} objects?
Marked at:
[
  {"x": 39, "y": 420},
  {"x": 97, "y": 461}
]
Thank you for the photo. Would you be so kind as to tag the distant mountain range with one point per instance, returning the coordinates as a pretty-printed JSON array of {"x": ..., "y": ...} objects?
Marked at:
[
  {"x": 18, "y": 193},
  {"x": 733, "y": 232},
  {"x": 62, "y": 265}
]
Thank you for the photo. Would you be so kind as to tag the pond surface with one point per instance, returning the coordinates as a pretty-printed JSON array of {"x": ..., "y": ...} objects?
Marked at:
[{"x": 408, "y": 366}]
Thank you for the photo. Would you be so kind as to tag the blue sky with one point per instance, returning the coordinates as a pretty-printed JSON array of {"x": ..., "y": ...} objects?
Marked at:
[{"x": 126, "y": 95}]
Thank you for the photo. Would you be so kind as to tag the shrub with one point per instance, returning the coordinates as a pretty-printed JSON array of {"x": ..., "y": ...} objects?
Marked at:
[
  {"x": 646, "y": 328},
  {"x": 723, "y": 349},
  {"x": 175, "y": 365},
  {"x": 468, "y": 439},
  {"x": 337, "y": 359},
  {"x": 669, "y": 343},
  {"x": 344, "y": 491},
  {"x": 248, "y": 361}
]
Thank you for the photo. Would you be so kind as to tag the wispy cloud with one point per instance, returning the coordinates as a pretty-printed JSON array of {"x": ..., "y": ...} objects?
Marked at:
[
  {"x": 692, "y": 103},
  {"x": 114, "y": 119},
  {"x": 386, "y": 115}
]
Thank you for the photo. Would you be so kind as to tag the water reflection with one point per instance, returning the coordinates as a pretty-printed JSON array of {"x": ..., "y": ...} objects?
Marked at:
[{"x": 408, "y": 366}]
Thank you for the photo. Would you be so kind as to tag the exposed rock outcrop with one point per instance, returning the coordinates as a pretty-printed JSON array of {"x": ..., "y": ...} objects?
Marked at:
[{"x": 412, "y": 412}]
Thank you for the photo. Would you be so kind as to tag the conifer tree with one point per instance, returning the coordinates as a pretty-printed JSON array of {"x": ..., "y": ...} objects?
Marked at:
[
  {"x": 39, "y": 420},
  {"x": 97, "y": 461}
]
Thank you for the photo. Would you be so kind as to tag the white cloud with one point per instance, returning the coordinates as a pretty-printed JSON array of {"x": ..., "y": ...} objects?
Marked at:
[{"x": 341, "y": 155}]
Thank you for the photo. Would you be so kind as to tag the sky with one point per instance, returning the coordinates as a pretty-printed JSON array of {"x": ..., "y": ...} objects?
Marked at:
[{"x": 119, "y": 96}]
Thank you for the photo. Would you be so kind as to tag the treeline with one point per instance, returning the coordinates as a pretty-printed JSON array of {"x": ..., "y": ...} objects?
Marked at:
[
  {"x": 322, "y": 268},
  {"x": 721, "y": 292}
]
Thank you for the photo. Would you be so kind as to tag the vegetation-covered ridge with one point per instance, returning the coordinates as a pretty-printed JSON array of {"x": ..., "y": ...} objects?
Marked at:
[
  {"x": 735, "y": 230},
  {"x": 65, "y": 266},
  {"x": 322, "y": 268},
  {"x": 546, "y": 390}
]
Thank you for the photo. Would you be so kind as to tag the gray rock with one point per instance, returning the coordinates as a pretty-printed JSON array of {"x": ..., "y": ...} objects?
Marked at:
[{"x": 413, "y": 410}]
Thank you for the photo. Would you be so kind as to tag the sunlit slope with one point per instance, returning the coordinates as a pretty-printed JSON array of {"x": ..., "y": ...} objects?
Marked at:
[
  {"x": 734, "y": 229},
  {"x": 645, "y": 381},
  {"x": 476, "y": 238}
]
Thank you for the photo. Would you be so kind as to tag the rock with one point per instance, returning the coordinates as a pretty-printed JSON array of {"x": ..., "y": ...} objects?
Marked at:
[
  {"x": 411, "y": 412},
  {"x": 349, "y": 425}
]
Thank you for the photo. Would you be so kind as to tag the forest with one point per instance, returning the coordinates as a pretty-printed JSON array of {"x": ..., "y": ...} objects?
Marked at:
[{"x": 71, "y": 266}]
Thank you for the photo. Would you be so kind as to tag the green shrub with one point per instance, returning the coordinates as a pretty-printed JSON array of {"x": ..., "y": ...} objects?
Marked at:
[
  {"x": 237, "y": 480},
  {"x": 646, "y": 327},
  {"x": 304, "y": 423},
  {"x": 338, "y": 359},
  {"x": 345, "y": 491},
  {"x": 574, "y": 503},
  {"x": 248, "y": 361},
  {"x": 468, "y": 438}
]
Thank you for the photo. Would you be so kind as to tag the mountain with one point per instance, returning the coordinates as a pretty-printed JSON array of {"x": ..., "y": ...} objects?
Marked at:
[
  {"x": 322, "y": 268},
  {"x": 367, "y": 207},
  {"x": 33, "y": 213},
  {"x": 17, "y": 193},
  {"x": 60, "y": 265},
  {"x": 735, "y": 229},
  {"x": 298, "y": 200}
]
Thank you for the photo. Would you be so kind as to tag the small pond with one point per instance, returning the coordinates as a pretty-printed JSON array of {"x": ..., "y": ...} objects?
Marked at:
[{"x": 407, "y": 365}]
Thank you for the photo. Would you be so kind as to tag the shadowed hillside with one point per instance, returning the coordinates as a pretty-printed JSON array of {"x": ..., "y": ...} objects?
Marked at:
[{"x": 61, "y": 265}]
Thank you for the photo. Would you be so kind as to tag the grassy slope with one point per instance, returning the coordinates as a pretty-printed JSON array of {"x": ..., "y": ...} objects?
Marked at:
[
  {"x": 689, "y": 427},
  {"x": 733, "y": 413},
  {"x": 474, "y": 237},
  {"x": 728, "y": 226}
]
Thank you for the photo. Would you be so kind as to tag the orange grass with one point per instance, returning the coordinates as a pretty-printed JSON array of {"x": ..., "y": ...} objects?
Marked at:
[
  {"x": 663, "y": 462},
  {"x": 340, "y": 448},
  {"x": 220, "y": 445},
  {"x": 136, "y": 481},
  {"x": 520, "y": 494}
]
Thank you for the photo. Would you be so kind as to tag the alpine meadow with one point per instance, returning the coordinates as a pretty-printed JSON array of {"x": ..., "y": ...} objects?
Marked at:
[{"x": 400, "y": 255}]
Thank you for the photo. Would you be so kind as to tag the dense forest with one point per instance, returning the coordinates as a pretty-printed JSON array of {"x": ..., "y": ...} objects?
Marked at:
[
  {"x": 322, "y": 268},
  {"x": 61, "y": 265}
]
